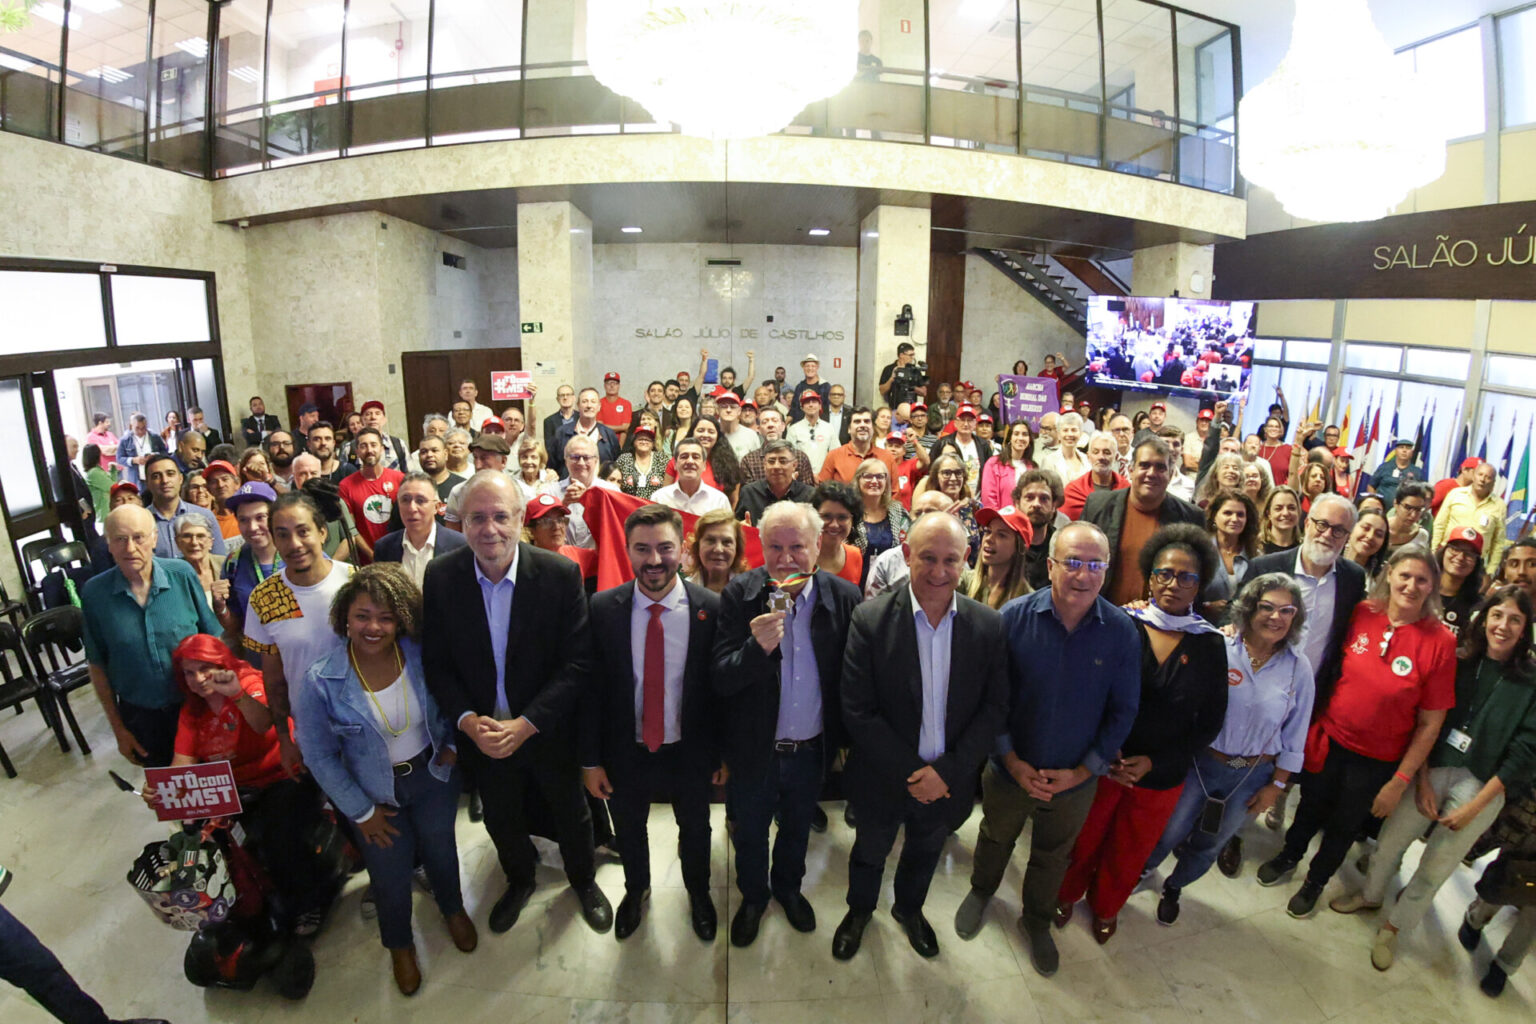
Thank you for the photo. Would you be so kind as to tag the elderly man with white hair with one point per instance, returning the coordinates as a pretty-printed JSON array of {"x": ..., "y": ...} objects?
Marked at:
[
  {"x": 581, "y": 462},
  {"x": 778, "y": 662}
]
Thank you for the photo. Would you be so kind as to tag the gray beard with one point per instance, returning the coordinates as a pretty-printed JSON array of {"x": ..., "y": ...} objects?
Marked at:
[{"x": 1318, "y": 553}]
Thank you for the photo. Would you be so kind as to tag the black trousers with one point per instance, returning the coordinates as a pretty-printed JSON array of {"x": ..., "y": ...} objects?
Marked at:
[
  {"x": 154, "y": 728},
  {"x": 651, "y": 778},
  {"x": 926, "y": 830},
  {"x": 508, "y": 789},
  {"x": 31, "y": 966},
  {"x": 1336, "y": 800},
  {"x": 282, "y": 819}
]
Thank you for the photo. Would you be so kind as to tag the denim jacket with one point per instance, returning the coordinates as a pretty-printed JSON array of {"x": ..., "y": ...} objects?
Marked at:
[{"x": 343, "y": 743}]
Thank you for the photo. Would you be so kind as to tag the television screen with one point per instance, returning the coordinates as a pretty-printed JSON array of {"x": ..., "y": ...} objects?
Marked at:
[{"x": 1197, "y": 347}]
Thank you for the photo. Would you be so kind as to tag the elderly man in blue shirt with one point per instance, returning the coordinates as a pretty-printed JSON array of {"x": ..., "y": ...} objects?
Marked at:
[
  {"x": 1074, "y": 686},
  {"x": 132, "y": 619}
]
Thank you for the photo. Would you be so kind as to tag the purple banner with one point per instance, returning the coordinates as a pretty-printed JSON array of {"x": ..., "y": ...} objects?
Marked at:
[{"x": 1026, "y": 398}]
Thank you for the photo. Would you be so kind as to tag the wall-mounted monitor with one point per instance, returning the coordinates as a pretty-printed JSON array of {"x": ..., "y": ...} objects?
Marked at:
[{"x": 1197, "y": 347}]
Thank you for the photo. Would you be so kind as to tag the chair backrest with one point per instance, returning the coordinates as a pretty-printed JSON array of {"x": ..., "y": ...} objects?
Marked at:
[
  {"x": 61, "y": 555},
  {"x": 47, "y": 634},
  {"x": 10, "y": 643},
  {"x": 32, "y": 551}
]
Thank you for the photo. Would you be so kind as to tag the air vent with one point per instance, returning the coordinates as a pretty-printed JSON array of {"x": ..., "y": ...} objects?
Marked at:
[
  {"x": 1008, "y": 28},
  {"x": 722, "y": 262},
  {"x": 455, "y": 261}
]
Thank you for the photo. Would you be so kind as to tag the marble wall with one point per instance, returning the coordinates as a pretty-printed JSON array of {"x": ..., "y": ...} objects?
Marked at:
[{"x": 1004, "y": 323}]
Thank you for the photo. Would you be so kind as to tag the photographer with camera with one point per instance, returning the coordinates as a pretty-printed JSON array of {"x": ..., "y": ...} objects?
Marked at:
[{"x": 905, "y": 379}]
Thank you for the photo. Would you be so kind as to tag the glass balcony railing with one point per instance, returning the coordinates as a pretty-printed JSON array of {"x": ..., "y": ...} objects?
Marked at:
[{"x": 1130, "y": 86}]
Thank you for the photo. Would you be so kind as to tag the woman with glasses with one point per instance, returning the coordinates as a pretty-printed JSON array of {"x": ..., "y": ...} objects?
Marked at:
[
  {"x": 194, "y": 489},
  {"x": 641, "y": 468},
  {"x": 885, "y": 520},
  {"x": 1233, "y": 522},
  {"x": 1250, "y": 762},
  {"x": 1376, "y": 728},
  {"x": 946, "y": 474},
  {"x": 1486, "y": 747},
  {"x": 840, "y": 511},
  {"x": 1405, "y": 524},
  {"x": 1461, "y": 577},
  {"x": 1183, "y": 702},
  {"x": 194, "y": 539}
]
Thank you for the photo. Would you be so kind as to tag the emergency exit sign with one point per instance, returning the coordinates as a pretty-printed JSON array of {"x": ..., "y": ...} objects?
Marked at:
[{"x": 533, "y": 327}]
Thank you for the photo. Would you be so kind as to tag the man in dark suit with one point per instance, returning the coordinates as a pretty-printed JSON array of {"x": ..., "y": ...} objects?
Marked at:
[
  {"x": 255, "y": 427},
  {"x": 1129, "y": 516},
  {"x": 924, "y": 698},
  {"x": 777, "y": 665},
  {"x": 508, "y": 670},
  {"x": 420, "y": 541},
  {"x": 648, "y": 720},
  {"x": 584, "y": 424}
]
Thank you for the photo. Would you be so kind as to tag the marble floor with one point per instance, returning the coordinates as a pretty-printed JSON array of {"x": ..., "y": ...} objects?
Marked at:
[{"x": 1234, "y": 955}]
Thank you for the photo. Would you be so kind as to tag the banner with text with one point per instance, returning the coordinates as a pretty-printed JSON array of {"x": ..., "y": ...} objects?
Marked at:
[
  {"x": 510, "y": 385},
  {"x": 194, "y": 791},
  {"x": 1026, "y": 398}
]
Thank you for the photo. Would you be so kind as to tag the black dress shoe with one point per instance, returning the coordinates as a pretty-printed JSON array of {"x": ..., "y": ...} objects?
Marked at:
[
  {"x": 744, "y": 924},
  {"x": 701, "y": 912},
  {"x": 919, "y": 932},
  {"x": 476, "y": 808},
  {"x": 595, "y": 908},
  {"x": 505, "y": 911},
  {"x": 628, "y": 917},
  {"x": 798, "y": 912},
  {"x": 850, "y": 932},
  {"x": 819, "y": 820},
  {"x": 1230, "y": 860}
]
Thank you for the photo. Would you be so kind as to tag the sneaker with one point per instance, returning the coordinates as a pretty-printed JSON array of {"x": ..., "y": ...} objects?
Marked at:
[
  {"x": 308, "y": 923},
  {"x": 1168, "y": 906},
  {"x": 1273, "y": 819},
  {"x": 419, "y": 876},
  {"x": 1276, "y": 871},
  {"x": 968, "y": 917},
  {"x": 1304, "y": 902},
  {"x": 1493, "y": 982},
  {"x": 368, "y": 907},
  {"x": 1468, "y": 936},
  {"x": 1351, "y": 903},
  {"x": 1384, "y": 949}
]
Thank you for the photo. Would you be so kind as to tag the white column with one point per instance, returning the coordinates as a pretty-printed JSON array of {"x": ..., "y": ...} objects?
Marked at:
[
  {"x": 893, "y": 272},
  {"x": 554, "y": 278}
]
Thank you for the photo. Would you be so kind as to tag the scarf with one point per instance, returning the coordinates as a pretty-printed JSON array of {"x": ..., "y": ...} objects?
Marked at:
[{"x": 1155, "y": 617}]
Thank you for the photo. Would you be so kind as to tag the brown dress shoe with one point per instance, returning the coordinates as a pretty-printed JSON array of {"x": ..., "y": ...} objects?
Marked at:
[
  {"x": 462, "y": 930},
  {"x": 407, "y": 972}
]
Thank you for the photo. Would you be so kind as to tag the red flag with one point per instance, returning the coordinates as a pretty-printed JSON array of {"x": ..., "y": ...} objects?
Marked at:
[
  {"x": 605, "y": 512},
  {"x": 1360, "y": 434}
]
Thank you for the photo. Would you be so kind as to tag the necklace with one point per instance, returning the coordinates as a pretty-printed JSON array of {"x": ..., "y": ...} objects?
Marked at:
[
  {"x": 404, "y": 701},
  {"x": 1255, "y": 662}
]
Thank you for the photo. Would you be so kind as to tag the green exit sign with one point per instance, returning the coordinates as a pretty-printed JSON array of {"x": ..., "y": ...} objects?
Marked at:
[{"x": 533, "y": 327}]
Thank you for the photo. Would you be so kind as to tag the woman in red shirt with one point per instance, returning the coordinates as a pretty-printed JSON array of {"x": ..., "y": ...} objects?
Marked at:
[
  {"x": 1396, "y": 682},
  {"x": 841, "y": 513},
  {"x": 1274, "y": 450},
  {"x": 224, "y": 717}
]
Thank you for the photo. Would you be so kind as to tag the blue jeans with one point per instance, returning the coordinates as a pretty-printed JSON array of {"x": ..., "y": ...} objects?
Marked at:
[
  {"x": 424, "y": 816},
  {"x": 787, "y": 789},
  {"x": 30, "y": 965},
  {"x": 1196, "y": 850}
]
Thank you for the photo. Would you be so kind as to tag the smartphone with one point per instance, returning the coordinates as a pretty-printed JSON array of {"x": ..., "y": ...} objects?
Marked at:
[{"x": 1211, "y": 815}]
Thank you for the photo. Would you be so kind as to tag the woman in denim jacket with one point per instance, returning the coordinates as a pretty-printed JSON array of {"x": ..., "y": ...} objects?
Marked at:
[{"x": 383, "y": 752}]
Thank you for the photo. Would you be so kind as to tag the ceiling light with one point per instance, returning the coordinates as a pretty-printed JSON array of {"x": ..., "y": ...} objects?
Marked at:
[
  {"x": 96, "y": 6},
  {"x": 723, "y": 69},
  {"x": 55, "y": 14},
  {"x": 818, "y": 232},
  {"x": 197, "y": 46},
  {"x": 108, "y": 73},
  {"x": 1328, "y": 160},
  {"x": 245, "y": 73},
  {"x": 631, "y": 230}
]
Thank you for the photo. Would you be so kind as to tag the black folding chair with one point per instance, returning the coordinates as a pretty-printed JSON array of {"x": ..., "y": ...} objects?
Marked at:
[
  {"x": 20, "y": 686},
  {"x": 61, "y": 556},
  {"x": 48, "y": 637},
  {"x": 11, "y": 609},
  {"x": 32, "y": 555}
]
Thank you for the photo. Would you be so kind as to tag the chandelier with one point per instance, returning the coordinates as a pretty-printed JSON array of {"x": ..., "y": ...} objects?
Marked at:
[
  {"x": 723, "y": 69},
  {"x": 1339, "y": 132}
]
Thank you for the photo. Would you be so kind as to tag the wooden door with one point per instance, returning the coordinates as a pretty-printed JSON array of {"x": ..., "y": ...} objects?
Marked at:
[{"x": 432, "y": 380}]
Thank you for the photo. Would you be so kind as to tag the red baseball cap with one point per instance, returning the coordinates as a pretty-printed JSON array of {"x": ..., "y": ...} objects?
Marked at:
[
  {"x": 545, "y": 505},
  {"x": 810, "y": 395},
  {"x": 372, "y": 403},
  {"x": 219, "y": 466},
  {"x": 1466, "y": 535},
  {"x": 1471, "y": 462},
  {"x": 1015, "y": 520},
  {"x": 749, "y": 405},
  {"x": 1206, "y": 414},
  {"x": 985, "y": 417},
  {"x": 124, "y": 487},
  {"x": 722, "y": 395},
  {"x": 1159, "y": 405},
  {"x": 918, "y": 406},
  {"x": 1342, "y": 453},
  {"x": 610, "y": 375},
  {"x": 895, "y": 439},
  {"x": 644, "y": 431},
  {"x": 493, "y": 424},
  {"x": 966, "y": 409}
]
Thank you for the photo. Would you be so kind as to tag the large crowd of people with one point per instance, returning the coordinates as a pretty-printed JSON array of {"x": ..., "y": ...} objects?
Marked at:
[{"x": 1133, "y": 639}]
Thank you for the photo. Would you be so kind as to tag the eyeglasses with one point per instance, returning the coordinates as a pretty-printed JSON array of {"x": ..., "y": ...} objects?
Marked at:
[
  {"x": 1080, "y": 564},
  {"x": 1322, "y": 526},
  {"x": 1413, "y": 511},
  {"x": 1285, "y": 611},
  {"x": 1167, "y": 577},
  {"x": 581, "y": 458}
]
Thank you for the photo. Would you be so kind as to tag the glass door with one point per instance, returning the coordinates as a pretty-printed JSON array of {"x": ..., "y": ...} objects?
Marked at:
[{"x": 35, "y": 475}]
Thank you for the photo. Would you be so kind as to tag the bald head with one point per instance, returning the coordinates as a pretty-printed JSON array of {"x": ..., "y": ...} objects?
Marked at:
[
  {"x": 305, "y": 468},
  {"x": 930, "y": 501},
  {"x": 926, "y": 529},
  {"x": 131, "y": 535}
]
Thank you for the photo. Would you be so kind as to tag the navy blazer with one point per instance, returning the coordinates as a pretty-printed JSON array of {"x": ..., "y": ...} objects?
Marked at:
[
  {"x": 607, "y": 726},
  {"x": 391, "y": 546},
  {"x": 747, "y": 679}
]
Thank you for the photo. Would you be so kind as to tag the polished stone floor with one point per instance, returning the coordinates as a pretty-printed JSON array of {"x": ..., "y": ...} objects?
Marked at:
[{"x": 1233, "y": 956}]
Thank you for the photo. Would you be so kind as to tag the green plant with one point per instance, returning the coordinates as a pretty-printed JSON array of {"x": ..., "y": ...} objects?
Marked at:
[{"x": 16, "y": 15}]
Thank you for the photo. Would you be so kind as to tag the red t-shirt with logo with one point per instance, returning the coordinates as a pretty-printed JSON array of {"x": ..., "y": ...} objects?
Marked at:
[
  {"x": 371, "y": 502},
  {"x": 1388, "y": 676},
  {"x": 615, "y": 412},
  {"x": 225, "y": 735}
]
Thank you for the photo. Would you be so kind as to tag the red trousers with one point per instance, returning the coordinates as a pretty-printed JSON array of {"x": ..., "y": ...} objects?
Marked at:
[{"x": 1122, "y": 830}]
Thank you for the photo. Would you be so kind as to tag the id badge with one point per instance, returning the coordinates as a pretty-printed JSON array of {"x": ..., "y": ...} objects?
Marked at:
[{"x": 1458, "y": 740}]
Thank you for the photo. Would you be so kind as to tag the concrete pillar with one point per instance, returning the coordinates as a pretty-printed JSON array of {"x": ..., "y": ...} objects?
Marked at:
[
  {"x": 893, "y": 272},
  {"x": 554, "y": 278},
  {"x": 1160, "y": 270}
]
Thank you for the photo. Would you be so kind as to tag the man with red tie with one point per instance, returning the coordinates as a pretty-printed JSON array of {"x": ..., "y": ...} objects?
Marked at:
[{"x": 647, "y": 724}]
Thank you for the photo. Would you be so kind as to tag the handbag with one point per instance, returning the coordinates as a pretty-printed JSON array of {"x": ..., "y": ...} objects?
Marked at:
[{"x": 1509, "y": 882}]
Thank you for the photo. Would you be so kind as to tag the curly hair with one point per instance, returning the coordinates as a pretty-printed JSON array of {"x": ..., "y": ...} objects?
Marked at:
[
  {"x": 388, "y": 586},
  {"x": 1250, "y": 535},
  {"x": 1185, "y": 537},
  {"x": 1246, "y": 604}
]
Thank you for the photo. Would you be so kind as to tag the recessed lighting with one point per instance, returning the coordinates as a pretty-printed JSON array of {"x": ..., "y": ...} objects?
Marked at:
[
  {"x": 631, "y": 230},
  {"x": 245, "y": 73},
  {"x": 55, "y": 14},
  {"x": 819, "y": 232},
  {"x": 197, "y": 46},
  {"x": 109, "y": 74}
]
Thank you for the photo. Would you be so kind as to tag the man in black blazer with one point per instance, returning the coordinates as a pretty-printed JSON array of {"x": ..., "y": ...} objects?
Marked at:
[
  {"x": 777, "y": 665},
  {"x": 1147, "y": 505},
  {"x": 924, "y": 698},
  {"x": 648, "y": 720},
  {"x": 421, "y": 538},
  {"x": 507, "y": 651},
  {"x": 255, "y": 427}
]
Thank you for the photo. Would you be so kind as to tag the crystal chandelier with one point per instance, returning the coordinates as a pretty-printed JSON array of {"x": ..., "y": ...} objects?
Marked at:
[
  {"x": 723, "y": 69},
  {"x": 1339, "y": 132}
]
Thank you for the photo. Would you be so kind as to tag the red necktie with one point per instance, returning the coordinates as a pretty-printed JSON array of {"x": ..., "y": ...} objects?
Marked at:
[{"x": 653, "y": 710}]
